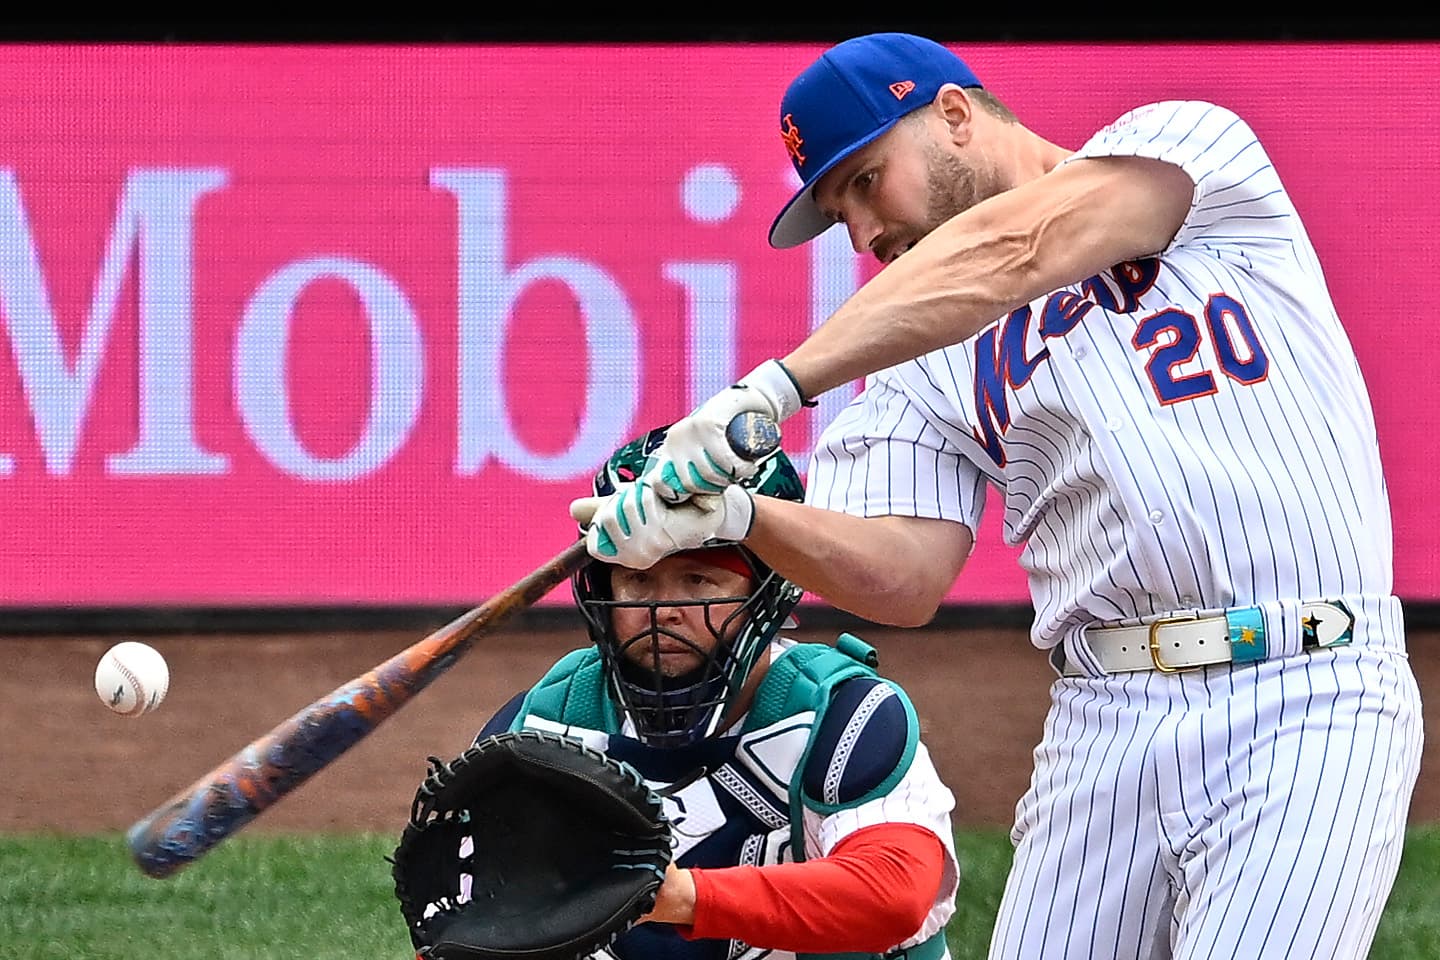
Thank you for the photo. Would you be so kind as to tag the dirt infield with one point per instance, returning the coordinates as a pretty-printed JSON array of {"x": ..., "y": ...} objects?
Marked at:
[{"x": 69, "y": 765}]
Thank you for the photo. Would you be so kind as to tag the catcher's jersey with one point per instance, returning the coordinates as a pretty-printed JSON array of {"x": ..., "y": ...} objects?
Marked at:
[
  {"x": 727, "y": 798},
  {"x": 1189, "y": 431}
]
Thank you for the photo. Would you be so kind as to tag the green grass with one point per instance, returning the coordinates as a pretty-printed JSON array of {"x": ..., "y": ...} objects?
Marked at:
[
  {"x": 251, "y": 898},
  {"x": 264, "y": 897}
]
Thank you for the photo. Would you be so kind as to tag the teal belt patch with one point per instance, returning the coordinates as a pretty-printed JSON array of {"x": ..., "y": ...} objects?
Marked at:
[{"x": 1246, "y": 626}]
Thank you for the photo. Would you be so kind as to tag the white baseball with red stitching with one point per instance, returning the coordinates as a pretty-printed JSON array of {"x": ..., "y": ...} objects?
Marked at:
[{"x": 132, "y": 678}]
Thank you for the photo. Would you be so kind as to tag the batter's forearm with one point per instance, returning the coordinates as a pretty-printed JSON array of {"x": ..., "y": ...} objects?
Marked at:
[
  {"x": 889, "y": 570},
  {"x": 997, "y": 256},
  {"x": 946, "y": 289}
]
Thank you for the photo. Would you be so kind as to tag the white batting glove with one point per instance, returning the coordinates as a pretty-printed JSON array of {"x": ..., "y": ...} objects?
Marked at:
[
  {"x": 695, "y": 458},
  {"x": 635, "y": 528}
]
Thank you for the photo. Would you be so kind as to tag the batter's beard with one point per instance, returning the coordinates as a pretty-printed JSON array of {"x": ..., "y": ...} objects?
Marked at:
[{"x": 954, "y": 186}]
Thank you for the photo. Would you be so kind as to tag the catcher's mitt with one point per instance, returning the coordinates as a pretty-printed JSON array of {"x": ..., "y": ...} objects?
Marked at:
[{"x": 528, "y": 846}]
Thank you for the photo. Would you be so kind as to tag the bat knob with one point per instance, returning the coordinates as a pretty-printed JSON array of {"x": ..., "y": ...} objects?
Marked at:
[{"x": 753, "y": 436}]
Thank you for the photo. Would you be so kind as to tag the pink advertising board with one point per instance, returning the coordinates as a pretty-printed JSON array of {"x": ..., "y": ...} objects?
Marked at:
[{"x": 315, "y": 325}]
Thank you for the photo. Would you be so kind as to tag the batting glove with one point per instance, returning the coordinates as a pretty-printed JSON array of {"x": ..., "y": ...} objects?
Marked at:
[
  {"x": 634, "y": 527},
  {"x": 696, "y": 459}
]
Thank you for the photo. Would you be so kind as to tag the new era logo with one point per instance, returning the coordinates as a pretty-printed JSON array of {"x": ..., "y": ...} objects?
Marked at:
[{"x": 901, "y": 88}]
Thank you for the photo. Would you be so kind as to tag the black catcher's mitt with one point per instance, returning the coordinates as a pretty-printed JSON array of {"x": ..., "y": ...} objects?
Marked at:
[{"x": 528, "y": 846}]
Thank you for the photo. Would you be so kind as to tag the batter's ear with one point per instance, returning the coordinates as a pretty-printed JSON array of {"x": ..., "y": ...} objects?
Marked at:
[{"x": 958, "y": 111}]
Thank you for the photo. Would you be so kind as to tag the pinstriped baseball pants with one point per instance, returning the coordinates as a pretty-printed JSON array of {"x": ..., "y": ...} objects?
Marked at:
[{"x": 1254, "y": 811}]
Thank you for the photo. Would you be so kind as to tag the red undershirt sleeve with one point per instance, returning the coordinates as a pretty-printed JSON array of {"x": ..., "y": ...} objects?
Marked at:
[{"x": 872, "y": 893}]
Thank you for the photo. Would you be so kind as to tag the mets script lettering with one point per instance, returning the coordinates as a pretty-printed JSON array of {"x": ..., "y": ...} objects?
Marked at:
[{"x": 1170, "y": 337}]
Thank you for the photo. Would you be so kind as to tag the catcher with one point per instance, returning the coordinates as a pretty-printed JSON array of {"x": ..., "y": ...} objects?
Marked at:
[
  {"x": 804, "y": 814},
  {"x": 761, "y": 796}
]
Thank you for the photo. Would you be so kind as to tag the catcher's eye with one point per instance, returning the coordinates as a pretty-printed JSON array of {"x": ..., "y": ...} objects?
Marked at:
[{"x": 626, "y": 582}]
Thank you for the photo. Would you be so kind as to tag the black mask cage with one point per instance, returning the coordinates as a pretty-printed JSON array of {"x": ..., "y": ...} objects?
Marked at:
[{"x": 682, "y": 710}]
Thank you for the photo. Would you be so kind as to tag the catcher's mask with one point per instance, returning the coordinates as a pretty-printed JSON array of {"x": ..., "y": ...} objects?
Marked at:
[{"x": 676, "y": 711}]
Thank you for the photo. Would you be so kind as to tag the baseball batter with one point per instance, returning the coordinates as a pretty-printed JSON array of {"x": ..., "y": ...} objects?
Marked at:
[
  {"x": 1132, "y": 348},
  {"x": 807, "y": 814}
]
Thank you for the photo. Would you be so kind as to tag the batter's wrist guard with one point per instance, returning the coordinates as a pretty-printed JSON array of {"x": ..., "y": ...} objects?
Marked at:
[
  {"x": 779, "y": 388},
  {"x": 798, "y": 392}
]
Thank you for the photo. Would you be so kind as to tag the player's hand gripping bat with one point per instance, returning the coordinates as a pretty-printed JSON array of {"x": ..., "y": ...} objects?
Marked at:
[{"x": 227, "y": 798}]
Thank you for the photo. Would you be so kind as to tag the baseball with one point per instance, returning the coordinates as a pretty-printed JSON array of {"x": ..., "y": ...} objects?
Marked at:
[{"x": 132, "y": 678}]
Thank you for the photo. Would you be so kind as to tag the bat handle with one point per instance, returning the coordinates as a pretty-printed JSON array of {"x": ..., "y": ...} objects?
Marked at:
[{"x": 753, "y": 436}]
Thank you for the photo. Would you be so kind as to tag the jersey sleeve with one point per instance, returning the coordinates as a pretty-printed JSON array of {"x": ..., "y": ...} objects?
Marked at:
[
  {"x": 869, "y": 895},
  {"x": 881, "y": 456},
  {"x": 1238, "y": 195}
]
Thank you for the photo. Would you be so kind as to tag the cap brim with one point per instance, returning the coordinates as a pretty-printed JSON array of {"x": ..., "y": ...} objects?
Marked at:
[{"x": 800, "y": 220}]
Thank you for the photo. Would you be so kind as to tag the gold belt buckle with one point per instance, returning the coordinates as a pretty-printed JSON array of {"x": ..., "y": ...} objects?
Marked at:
[{"x": 1155, "y": 642}]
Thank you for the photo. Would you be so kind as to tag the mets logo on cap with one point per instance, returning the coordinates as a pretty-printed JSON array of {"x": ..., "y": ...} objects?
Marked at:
[{"x": 790, "y": 134}]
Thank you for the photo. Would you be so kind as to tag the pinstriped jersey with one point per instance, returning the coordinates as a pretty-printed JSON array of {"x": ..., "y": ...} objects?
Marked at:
[{"x": 1190, "y": 431}]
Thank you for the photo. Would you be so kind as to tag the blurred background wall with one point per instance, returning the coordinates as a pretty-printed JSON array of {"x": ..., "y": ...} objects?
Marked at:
[{"x": 312, "y": 330}]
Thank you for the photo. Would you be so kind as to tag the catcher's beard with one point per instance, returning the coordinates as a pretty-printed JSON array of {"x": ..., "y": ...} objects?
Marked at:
[
  {"x": 679, "y": 665},
  {"x": 669, "y": 702},
  {"x": 643, "y": 660}
]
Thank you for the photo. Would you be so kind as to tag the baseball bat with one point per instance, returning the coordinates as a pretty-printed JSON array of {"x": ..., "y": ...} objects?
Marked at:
[{"x": 223, "y": 801}]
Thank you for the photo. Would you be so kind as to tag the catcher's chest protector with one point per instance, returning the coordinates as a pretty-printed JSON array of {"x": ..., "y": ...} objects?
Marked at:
[{"x": 747, "y": 809}]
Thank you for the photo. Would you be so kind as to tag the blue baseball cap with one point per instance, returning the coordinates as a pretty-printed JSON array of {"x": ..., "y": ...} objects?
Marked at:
[{"x": 855, "y": 92}]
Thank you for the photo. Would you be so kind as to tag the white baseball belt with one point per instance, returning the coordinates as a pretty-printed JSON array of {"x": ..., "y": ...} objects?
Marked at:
[{"x": 1183, "y": 642}]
